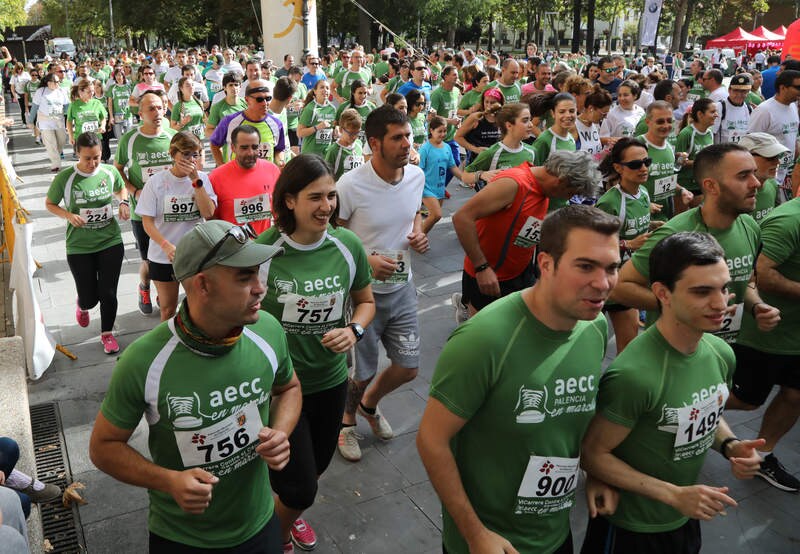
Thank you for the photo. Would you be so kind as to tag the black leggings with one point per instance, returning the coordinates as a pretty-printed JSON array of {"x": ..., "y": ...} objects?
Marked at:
[
  {"x": 313, "y": 443},
  {"x": 96, "y": 276}
]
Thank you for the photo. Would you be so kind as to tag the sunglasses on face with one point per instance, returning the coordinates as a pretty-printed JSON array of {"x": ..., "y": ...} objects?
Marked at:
[
  {"x": 260, "y": 99},
  {"x": 609, "y": 69},
  {"x": 637, "y": 164},
  {"x": 664, "y": 121}
]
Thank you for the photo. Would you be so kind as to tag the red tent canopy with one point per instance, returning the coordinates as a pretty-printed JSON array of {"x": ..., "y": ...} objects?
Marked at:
[
  {"x": 765, "y": 33},
  {"x": 737, "y": 38},
  {"x": 781, "y": 31}
]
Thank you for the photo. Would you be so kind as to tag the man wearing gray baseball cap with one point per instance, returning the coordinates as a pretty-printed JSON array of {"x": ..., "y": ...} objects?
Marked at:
[
  {"x": 767, "y": 153},
  {"x": 203, "y": 381}
]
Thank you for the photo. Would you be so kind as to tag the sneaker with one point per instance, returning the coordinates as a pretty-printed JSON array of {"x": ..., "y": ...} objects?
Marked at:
[
  {"x": 773, "y": 472},
  {"x": 110, "y": 345},
  {"x": 288, "y": 548},
  {"x": 379, "y": 425},
  {"x": 462, "y": 312},
  {"x": 348, "y": 444},
  {"x": 303, "y": 536},
  {"x": 82, "y": 316},
  {"x": 145, "y": 306},
  {"x": 37, "y": 140},
  {"x": 47, "y": 494}
]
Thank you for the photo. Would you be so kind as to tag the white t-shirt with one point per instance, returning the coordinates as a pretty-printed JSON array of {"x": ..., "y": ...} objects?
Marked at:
[
  {"x": 589, "y": 137},
  {"x": 199, "y": 88},
  {"x": 718, "y": 95},
  {"x": 620, "y": 122},
  {"x": 50, "y": 108},
  {"x": 381, "y": 214},
  {"x": 780, "y": 121},
  {"x": 233, "y": 67},
  {"x": 162, "y": 190},
  {"x": 645, "y": 99},
  {"x": 735, "y": 123}
]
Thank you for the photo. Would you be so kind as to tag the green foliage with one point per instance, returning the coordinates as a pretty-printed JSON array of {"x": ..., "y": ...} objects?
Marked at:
[{"x": 12, "y": 13}]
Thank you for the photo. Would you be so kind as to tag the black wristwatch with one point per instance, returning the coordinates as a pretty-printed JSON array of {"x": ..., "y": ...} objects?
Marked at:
[
  {"x": 358, "y": 330},
  {"x": 197, "y": 184}
]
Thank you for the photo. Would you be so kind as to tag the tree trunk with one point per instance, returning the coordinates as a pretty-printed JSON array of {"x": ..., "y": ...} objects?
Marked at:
[
  {"x": 491, "y": 36},
  {"x": 590, "y": 28},
  {"x": 451, "y": 36},
  {"x": 364, "y": 30},
  {"x": 687, "y": 20},
  {"x": 680, "y": 16},
  {"x": 576, "y": 25}
]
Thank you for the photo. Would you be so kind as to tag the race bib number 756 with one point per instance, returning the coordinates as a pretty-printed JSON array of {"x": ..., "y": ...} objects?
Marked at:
[{"x": 222, "y": 439}]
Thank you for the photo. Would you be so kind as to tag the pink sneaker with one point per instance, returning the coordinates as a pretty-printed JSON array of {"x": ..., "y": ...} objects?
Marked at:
[
  {"x": 303, "y": 536},
  {"x": 288, "y": 548},
  {"x": 82, "y": 316},
  {"x": 110, "y": 345}
]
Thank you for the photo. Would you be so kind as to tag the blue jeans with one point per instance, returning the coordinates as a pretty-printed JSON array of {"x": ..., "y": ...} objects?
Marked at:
[{"x": 9, "y": 455}]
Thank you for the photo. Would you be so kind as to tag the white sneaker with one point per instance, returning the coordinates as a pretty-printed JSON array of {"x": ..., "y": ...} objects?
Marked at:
[
  {"x": 379, "y": 425},
  {"x": 461, "y": 311},
  {"x": 348, "y": 444}
]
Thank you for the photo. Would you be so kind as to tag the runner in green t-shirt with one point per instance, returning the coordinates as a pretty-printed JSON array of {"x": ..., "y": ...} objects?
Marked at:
[
  {"x": 473, "y": 95},
  {"x": 294, "y": 107},
  {"x": 85, "y": 113},
  {"x": 232, "y": 103},
  {"x": 444, "y": 102},
  {"x": 187, "y": 113},
  {"x": 626, "y": 165},
  {"x": 659, "y": 410},
  {"x": 727, "y": 174},
  {"x": 315, "y": 125},
  {"x": 141, "y": 153},
  {"x": 118, "y": 96},
  {"x": 514, "y": 121},
  {"x": 559, "y": 135},
  {"x": 358, "y": 101},
  {"x": 531, "y": 398},
  {"x": 346, "y": 153},
  {"x": 764, "y": 359},
  {"x": 692, "y": 139},
  {"x": 94, "y": 241},
  {"x": 307, "y": 288},
  {"x": 344, "y": 79},
  {"x": 208, "y": 429}
]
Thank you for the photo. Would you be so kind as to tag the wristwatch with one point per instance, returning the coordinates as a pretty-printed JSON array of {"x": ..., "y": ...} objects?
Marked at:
[
  {"x": 358, "y": 330},
  {"x": 198, "y": 184}
]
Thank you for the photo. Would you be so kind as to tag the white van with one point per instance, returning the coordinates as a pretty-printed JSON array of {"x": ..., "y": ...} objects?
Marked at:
[{"x": 58, "y": 45}]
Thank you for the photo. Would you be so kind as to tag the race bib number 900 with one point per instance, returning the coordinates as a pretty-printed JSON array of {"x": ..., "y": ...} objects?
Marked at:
[{"x": 548, "y": 485}]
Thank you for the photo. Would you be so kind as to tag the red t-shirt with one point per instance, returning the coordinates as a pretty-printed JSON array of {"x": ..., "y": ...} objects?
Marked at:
[
  {"x": 245, "y": 195},
  {"x": 516, "y": 229}
]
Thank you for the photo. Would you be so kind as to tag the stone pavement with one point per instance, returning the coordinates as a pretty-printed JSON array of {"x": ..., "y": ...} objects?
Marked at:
[{"x": 383, "y": 504}]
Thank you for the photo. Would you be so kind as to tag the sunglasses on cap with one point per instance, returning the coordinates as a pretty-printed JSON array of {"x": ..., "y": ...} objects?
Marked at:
[
  {"x": 637, "y": 164},
  {"x": 240, "y": 234}
]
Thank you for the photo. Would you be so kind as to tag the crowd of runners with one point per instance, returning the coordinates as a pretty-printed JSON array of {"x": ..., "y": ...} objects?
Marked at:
[{"x": 665, "y": 203}]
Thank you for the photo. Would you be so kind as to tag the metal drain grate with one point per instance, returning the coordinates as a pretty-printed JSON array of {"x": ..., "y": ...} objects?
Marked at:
[{"x": 60, "y": 525}]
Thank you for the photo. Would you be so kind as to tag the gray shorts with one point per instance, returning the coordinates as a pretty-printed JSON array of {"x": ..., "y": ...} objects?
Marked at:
[{"x": 396, "y": 326}]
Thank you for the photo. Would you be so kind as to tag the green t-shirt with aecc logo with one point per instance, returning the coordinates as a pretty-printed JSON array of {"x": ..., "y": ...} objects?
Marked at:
[
  {"x": 194, "y": 110},
  {"x": 500, "y": 156},
  {"x": 741, "y": 244},
  {"x": 662, "y": 181},
  {"x": 766, "y": 200},
  {"x": 311, "y": 116},
  {"x": 419, "y": 128},
  {"x": 86, "y": 116},
  {"x": 532, "y": 390},
  {"x": 672, "y": 404},
  {"x": 90, "y": 195},
  {"x": 143, "y": 156},
  {"x": 344, "y": 158},
  {"x": 306, "y": 291},
  {"x": 780, "y": 235},
  {"x": 120, "y": 94},
  {"x": 691, "y": 141},
  {"x": 200, "y": 416},
  {"x": 511, "y": 93},
  {"x": 446, "y": 105}
]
